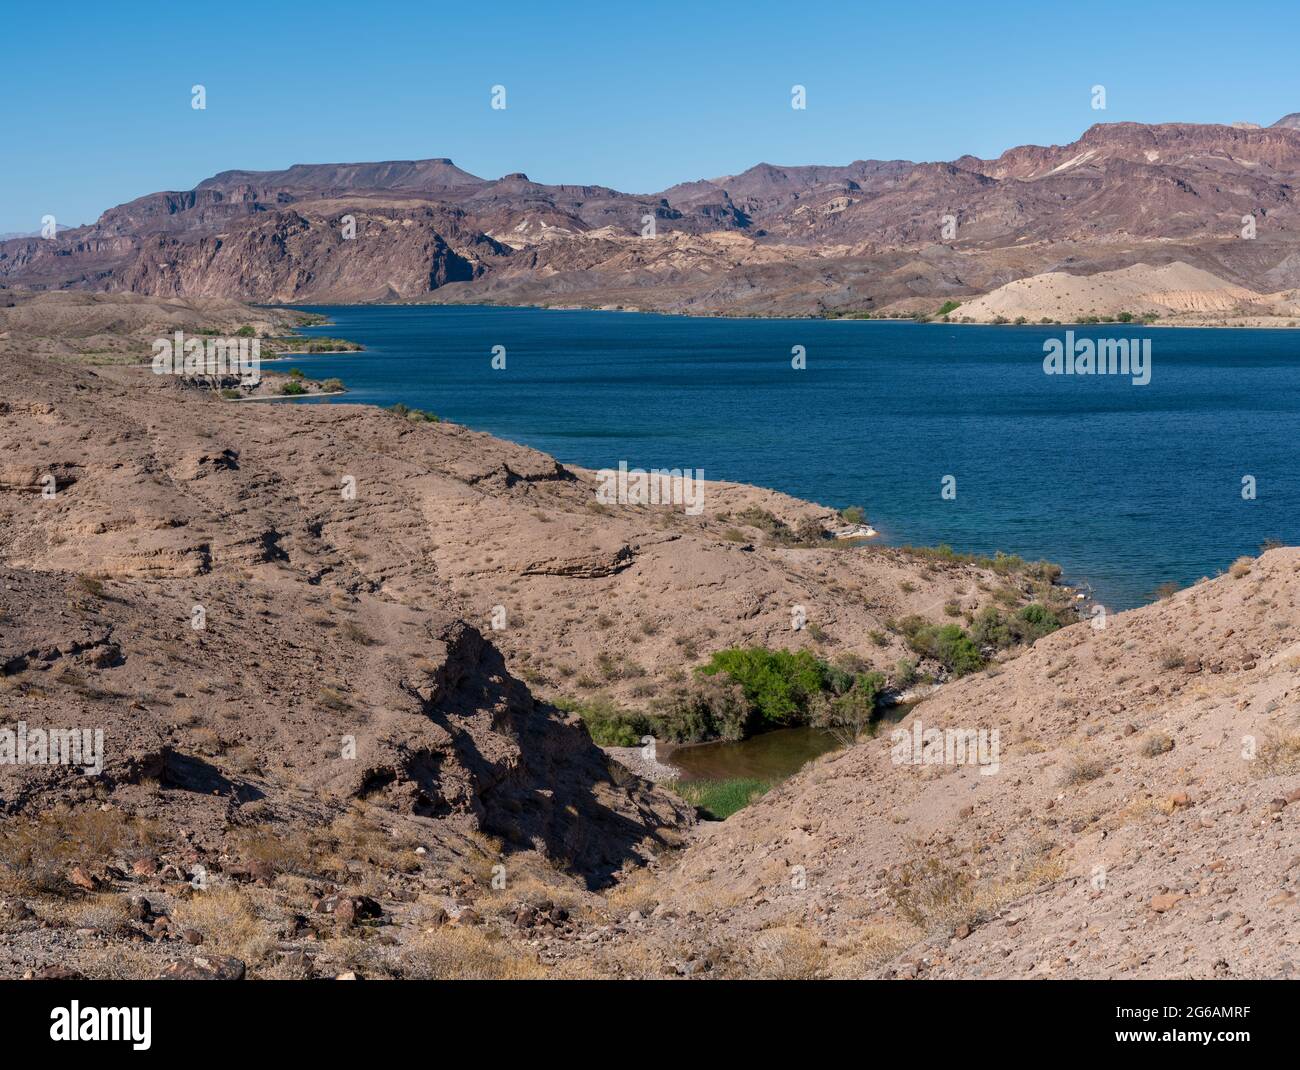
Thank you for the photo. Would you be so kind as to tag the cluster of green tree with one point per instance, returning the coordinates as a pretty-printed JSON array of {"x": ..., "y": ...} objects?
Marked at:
[
  {"x": 1022, "y": 628},
  {"x": 961, "y": 651},
  {"x": 740, "y": 691},
  {"x": 948, "y": 644}
]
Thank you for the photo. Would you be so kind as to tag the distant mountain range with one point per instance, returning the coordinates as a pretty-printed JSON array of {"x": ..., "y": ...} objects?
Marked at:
[
  {"x": 868, "y": 236},
  {"x": 59, "y": 228}
]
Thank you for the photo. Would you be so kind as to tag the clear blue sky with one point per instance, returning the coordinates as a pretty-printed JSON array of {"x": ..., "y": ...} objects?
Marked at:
[{"x": 95, "y": 98}]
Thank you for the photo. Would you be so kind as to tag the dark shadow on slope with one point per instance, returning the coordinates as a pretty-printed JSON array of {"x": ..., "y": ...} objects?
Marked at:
[{"x": 550, "y": 788}]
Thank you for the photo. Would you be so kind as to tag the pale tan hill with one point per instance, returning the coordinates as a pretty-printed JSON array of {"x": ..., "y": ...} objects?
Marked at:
[
  {"x": 1169, "y": 290},
  {"x": 1144, "y": 819},
  {"x": 112, "y": 327}
]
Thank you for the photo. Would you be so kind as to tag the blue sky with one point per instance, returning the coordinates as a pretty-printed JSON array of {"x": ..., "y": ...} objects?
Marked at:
[{"x": 95, "y": 98}]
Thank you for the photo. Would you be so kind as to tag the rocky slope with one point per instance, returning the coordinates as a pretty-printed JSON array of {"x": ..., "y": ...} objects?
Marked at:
[
  {"x": 869, "y": 236},
  {"x": 1142, "y": 820},
  {"x": 284, "y": 622},
  {"x": 326, "y": 750}
]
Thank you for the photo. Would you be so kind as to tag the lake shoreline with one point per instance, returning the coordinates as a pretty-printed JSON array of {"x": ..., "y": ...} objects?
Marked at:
[
  {"x": 429, "y": 362},
  {"x": 790, "y": 317}
]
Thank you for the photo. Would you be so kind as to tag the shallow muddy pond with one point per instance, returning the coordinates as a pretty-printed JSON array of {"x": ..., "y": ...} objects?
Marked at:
[{"x": 769, "y": 756}]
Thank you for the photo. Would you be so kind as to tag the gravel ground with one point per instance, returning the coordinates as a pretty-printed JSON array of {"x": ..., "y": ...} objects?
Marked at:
[{"x": 635, "y": 760}]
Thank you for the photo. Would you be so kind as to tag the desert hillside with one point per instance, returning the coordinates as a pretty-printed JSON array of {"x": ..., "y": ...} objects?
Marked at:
[
  {"x": 119, "y": 328},
  {"x": 323, "y": 644},
  {"x": 1142, "y": 821},
  {"x": 331, "y": 650},
  {"x": 1170, "y": 293}
]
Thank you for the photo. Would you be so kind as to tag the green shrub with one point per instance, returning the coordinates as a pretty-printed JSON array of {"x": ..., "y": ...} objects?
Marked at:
[
  {"x": 709, "y": 707},
  {"x": 991, "y": 629},
  {"x": 1038, "y": 619},
  {"x": 808, "y": 531},
  {"x": 1027, "y": 625},
  {"x": 768, "y": 523},
  {"x": 905, "y": 673},
  {"x": 950, "y": 645},
  {"x": 738, "y": 691},
  {"x": 1003, "y": 564},
  {"x": 608, "y": 723},
  {"x": 777, "y": 683},
  {"x": 414, "y": 415},
  {"x": 850, "y": 706}
]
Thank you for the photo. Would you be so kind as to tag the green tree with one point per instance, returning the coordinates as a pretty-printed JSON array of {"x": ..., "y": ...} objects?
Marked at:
[{"x": 778, "y": 684}]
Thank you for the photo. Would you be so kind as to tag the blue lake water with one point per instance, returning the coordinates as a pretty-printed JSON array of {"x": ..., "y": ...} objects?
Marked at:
[{"x": 1126, "y": 486}]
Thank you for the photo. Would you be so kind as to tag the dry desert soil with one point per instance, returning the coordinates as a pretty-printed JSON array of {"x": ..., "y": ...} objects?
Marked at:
[{"x": 333, "y": 652}]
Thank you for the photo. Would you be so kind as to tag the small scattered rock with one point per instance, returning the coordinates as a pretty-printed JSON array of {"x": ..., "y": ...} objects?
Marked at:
[
  {"x": 19, "y": 911},
  {"x": 205, "y": 968},
  {"x": 354, "y": 909},
  {"x": 54, "y": 973}
]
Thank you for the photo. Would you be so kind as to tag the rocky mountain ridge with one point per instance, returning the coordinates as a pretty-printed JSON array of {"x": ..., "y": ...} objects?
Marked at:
[{"x": 870, "y": 236}]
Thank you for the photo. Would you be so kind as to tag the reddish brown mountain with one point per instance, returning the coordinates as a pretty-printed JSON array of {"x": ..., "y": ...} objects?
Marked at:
[{"x": 864, "y": 236}]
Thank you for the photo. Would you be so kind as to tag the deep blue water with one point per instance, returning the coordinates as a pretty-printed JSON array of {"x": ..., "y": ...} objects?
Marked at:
[{"x": 1126, "y": 486}]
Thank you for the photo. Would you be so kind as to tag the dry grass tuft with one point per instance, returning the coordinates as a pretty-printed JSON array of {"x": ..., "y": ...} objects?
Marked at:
[
  {"x": 788, "y": 953},
  {"x": 872, "y": 947},
  {"x": 455, "y": 953},
  {"x": 228, "y": 922},
  {"x": 36, "y": 852},
  {"x": 1080, "y": 768},
  {"x": 1277, "y": 755},
  {"x": 935, "y": 895},
  {"x": 1155, "y": 744}
]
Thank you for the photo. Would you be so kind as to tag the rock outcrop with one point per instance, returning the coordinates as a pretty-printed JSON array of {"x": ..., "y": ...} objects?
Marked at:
[{"x": 871, "y": 236}]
